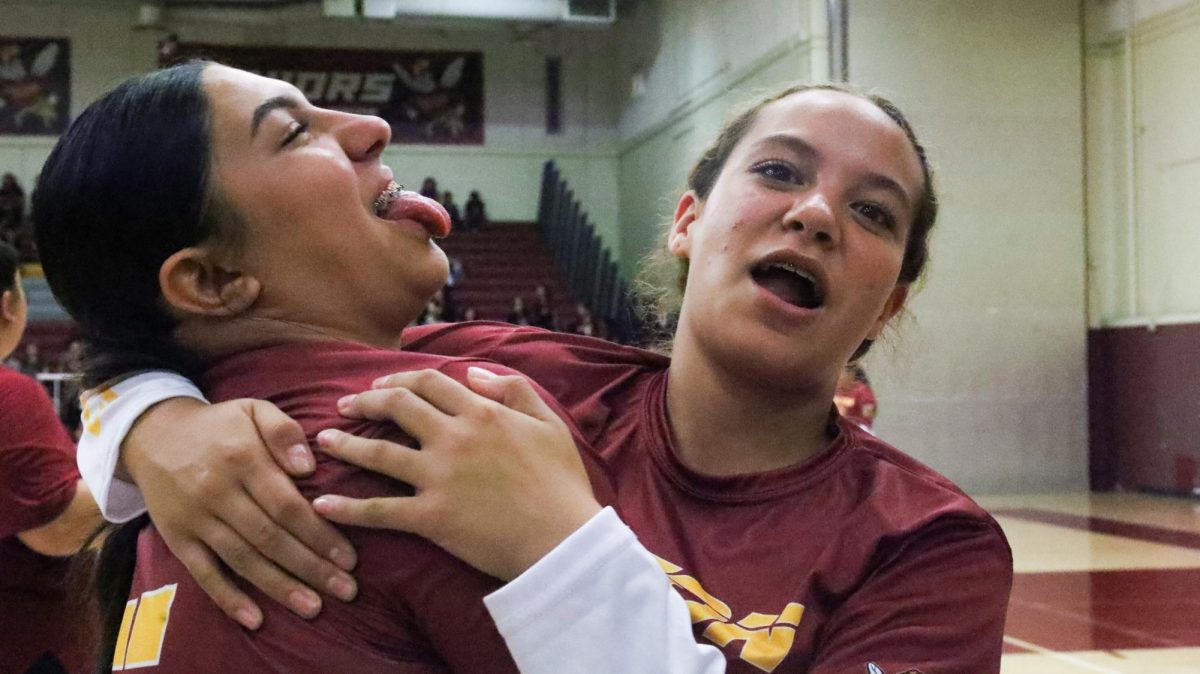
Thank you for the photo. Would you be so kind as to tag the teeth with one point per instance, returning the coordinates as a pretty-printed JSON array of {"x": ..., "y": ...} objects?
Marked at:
[
  {"x": 385, "y": 199},
  {"x": 787, "y": 266}
]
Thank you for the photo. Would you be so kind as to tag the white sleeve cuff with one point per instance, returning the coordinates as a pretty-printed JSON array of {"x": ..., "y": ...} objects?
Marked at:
[
  {"x": 599, "y": 602},
  {"x": 108, "y": 414}
]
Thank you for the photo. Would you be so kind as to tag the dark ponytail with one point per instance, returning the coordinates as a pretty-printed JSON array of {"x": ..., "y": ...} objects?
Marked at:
[{"x": 111, "y": 583}]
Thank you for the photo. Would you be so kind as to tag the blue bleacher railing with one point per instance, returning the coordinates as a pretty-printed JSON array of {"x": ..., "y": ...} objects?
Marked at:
[{"x": 588, "y": 267}]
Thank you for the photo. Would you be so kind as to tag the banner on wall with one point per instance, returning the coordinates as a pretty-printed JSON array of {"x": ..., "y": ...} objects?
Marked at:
[
  {"x": 427, "y": 96},
  {"x": 35, "y": 85}
]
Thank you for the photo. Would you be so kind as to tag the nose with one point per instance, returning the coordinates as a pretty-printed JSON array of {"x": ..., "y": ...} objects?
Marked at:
[
  {"x": 812, "y": 215},
  {"x": 363, "y": 137}
]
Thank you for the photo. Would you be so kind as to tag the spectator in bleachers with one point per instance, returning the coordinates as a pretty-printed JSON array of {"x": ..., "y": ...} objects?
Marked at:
[
  {"x": 583, "y": 323},
  {"x": 517, "y": 314},
  {"x": 456, "y": 219},
  {"x": 429, "y": 188},
  {"x": 475, "y": 215},
  {"x": 71, "y": 362},
  {"x": 168, "y": 50},
  {"x": 432, "y": 313},
  {"x": 12, "y": 203},
  {"x": 30, "y": 362},
  {"x": 46, "y": 511},
  {"x": 456, "y": 271},
  {"x": 541, "y": 309}
]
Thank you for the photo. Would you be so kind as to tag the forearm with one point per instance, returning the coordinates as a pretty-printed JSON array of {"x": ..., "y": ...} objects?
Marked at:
[
  {"x": 117, "y": 419},
  {"x": 599, "y": 602},
  {"x": 65, "y": 534}
]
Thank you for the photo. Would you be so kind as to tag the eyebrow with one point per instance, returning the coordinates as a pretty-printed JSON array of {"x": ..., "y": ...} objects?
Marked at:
[
  {"x": 265, "y": 108},
  {"x": 802, "y": 147}
]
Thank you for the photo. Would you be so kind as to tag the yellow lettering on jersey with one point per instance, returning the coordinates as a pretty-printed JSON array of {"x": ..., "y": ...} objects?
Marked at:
[
  {"x": 123, "y": 635},
  {"x": 768, "y": 638},
  {"x": 764, "y": 648},
  {"x": 140, "y": 644},
  {"x": 92, "y": 403},
  {"x": 712, "y": 605}
]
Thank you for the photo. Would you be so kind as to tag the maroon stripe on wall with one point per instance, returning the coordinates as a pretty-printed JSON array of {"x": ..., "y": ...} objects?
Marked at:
[
  {"x": 1099, "y": 525},
  {"x": 1143, "y": 415}
]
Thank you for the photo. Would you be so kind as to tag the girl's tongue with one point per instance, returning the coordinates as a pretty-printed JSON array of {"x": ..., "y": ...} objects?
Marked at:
[{"x": 413, "y": 206}]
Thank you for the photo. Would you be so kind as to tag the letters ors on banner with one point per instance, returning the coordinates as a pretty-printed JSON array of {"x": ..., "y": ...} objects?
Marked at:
[{"x": 429, "y": 97}]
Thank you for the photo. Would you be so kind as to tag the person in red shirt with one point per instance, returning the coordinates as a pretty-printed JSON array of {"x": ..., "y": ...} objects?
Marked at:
[
  {"x": 854, "y": 398},
  {"x": 799, "y": 542},
  {"x": 46, "y": 512},
  {"x": 220, "y": 261}
]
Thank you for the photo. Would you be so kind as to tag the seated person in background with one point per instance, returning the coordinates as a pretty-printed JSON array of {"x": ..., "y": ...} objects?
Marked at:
[
  {"x": 12, "y": 203},
  {"x": 583, "y": 323},
  {"x": 854, "y": 398},
  {"x": 436, "y": 310},
  {"x": 475, "y": 212},
  {"x": 541, "y": 311},
  {"x": 267, "y": 252},
  {"x": 456, "y": 220},
  {"x": 429, "y": 188},
  {"x": 456, "y": 272},
  {"x": 517, "y": 315},
  {"x": 31, "y": 360},
  {"x": 46, "y": 512}
]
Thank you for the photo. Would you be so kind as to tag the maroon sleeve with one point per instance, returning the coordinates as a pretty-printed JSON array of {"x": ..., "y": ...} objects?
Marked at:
[
  {"x": 37, "y": 458},
  {"x": 937, "y": 606},
  {"x": 579, "y": 372}
]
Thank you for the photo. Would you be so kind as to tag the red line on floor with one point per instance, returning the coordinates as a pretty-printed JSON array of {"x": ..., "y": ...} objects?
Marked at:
[{"x": 1106, "y": 610}]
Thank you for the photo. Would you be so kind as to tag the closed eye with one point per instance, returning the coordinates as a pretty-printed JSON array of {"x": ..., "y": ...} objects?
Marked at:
[{"x": 295, "y": 129}]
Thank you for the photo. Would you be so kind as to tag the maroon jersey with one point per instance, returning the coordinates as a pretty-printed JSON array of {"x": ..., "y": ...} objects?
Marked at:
[
  {"x": 38, "y": 620},
  {"x": 857, "y": 403},
  {"x": 860, "y": 555},
  {"x": 419, "y": 609}
]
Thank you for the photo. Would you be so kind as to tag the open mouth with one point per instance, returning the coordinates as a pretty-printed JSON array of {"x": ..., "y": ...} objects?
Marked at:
[
  {"x": 385, "y": 199},
  {"x": 790, "y": 283},
  {"x": 396, "y": 203}
]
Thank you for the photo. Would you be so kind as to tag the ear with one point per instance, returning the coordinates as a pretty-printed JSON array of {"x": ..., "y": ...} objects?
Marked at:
[
  {"x": 895, "y": 302},
  {"x": 679, "y": 240},
  {"x": 8, "y": 306},
  {"x": 194, "y": 281}
]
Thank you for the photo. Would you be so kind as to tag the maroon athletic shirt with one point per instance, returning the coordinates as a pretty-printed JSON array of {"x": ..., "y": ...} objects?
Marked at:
[
  {"x": 858, "y": 556},
  {"x": 38, "y": 623},
  {"x": 419, "y": 609}
]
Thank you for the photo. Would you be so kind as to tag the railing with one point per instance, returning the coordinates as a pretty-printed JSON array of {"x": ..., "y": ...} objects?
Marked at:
[
  {"x": 588, "y": 267},
  {"x": 56, "y": 381}
]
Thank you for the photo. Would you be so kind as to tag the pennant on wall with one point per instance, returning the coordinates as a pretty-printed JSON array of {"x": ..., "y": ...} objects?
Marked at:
[{"x": 35, "y": 85}]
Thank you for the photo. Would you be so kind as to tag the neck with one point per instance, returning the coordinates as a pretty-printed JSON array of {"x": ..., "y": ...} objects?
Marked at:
[
  {"x": 214, "y": 338},
  {"x": 725, "y": 422}
]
